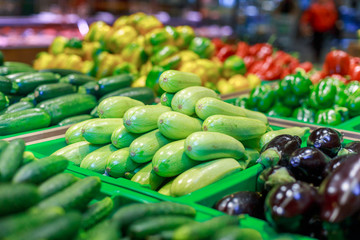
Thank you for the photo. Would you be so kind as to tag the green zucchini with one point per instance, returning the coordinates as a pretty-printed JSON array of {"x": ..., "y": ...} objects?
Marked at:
[
  {"x": 88, "y": 88},
  {"x": 113, "y": 83},
  {"x": 28, "y": 157},
  {"x": 62, "y": 72},
  {"x": 55, "y": 184},
  {"x": 75, "y": 119},
  {"x": 16, "y": 64},
  {"x": 11, "y": 159},
  {"x": 13, "y": 76},
  {"x": 5, "y": 85},
  {"x": 19, "y": 106},
  {"x": 24, "y": 120},
  {"x": 69, "y": 105},
  {"x": 77, "y": 79},
  {"x": 143, "y": 94},
  {"x": 27, "y": 83},
  {"x": 97, "y": 212},
  {"x": 48, "y": 91},
  {"x": 7, "y": 70},
  {"x": 106, "y": 230}
]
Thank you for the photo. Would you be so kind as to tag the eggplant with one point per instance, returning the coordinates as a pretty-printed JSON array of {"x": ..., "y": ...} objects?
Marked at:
[
  {"x": 243, "y": 202},
  {"x": 340, "y": 191},
  {"x": 308, "y": 165},
  {"x": 350, "y": 148},
  {"x": 327, "y": 140}
]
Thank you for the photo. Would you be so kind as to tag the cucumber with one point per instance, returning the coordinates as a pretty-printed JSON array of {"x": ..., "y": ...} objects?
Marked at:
[
  {"x": 152, "y": 225},
  {"x": 76, "y": 152},
  {"x": 97, "y": 212},
  {"x": 27, "y": 220},
  {"x": 77, "y": 79},
  {"x": 62, "y": 72},
  {"x": 16, "y": 64},
  {"x": 27, "y": 83},
  {"x": 184, "y": 101},
  {"x": 19, "y": 106},
  {"x": 208, "y": 106},
  {"x": 28, "y": 98},
  {"x": 24, "y": 120},
  {"x": 203, "y": 146},
  {"x": 94, "y": 112},
  {"x": 75, "y": 119},
  {"x": 113, "y": 83},
  {"x": 143, "y": 94},
  {"x": 5, "y": 85},
  {"x": 11, "y": 159},
  {"x": 56, "y": 184},
  {"x": 144, "y": 147},
  {"x": 146, "y": 176},
  {"x": 144, "y": 118},
  {"x": 166, "y": 189},
  {"x": 28, "y": 157},
  {"x": 127, "y": 215},
  {"x": 88, "y": 88},
  {"x": 74, "y": 133},
  {"x": 96, "y": 161},
  {"x": 66, "y": 106},
  {"x": 173, "y": 81},
  {"x": 115, "y": 107},
  {"x": 53, "y": 90},
  {"x": 99, "y": 131},
  {"x": 175, "y": 125},
  {"x": 7, "y": 70},
  {"x": 4, "y": 101},
  {"x": 38, "y": 171},
  {"x": 294, "y": 131},
  {"x": 61, "y": 227},
  {"x": 17, "y": 197},
  {"x": 121, "y": 137},
  {"x": 205, "y": 230},
  {"x": 203, "y": 175},
  {"x": 236, "y": 233},
  {"x": 240, "y": 128},
  {"x": 166, "y": 99},
  {"x": 106, "y": 230},
  {"x": 171, "y": 160},
  {"x": 16, "y": 75},
  {"x": 77, "y": 196},
  {"x": 14, "y": 98},
  {"x": 3, "y": 145},
  {"x": 119, "y": 162}
]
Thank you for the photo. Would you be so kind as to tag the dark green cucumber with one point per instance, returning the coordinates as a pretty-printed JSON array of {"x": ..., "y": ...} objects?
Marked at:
[
  {"x": 48, "y": 91},
  {"x": 24, "y": 120},
  {"x": 13, "y": 76},
  {"x": 5, "y": 85},
  {"x": 97, "y": 212},
  {"x": 88, "y": 88},
  {"x": 27, "y": 83},
  {"x": 14, "y": 98},
  {"x": 16, "y": 64},
  {"x": 38, "y": 171},
  {"x": 236, "y": 233},
  {"x": 3, "y": 145},
  {"x": 29, "y": 98},
  {"x": 129, "y": 214},
  {"x": 106, "y": 230},
  {"x": 77, "y": 196},
  {"x": 77, "y": 79},
  {"x": 19, "y": 106},
  {"x": 61, "y": 227},
  {"x": 11, "y": 159},
  {"x": 17, "y": 197},
  {"x": 153, "y": 225},
  {"x": 26, "y": 220},
  {"x": 55, "y": 184},
  {"x": 143, "y": 94},
  {"x": 28, "y": 157},
  {"x": 4, "y": 101},
  {"x": 113, "y": 83},
  {"x": 94, "y": 112},
  {"x": 75, "y": 119},
  {"x": 205, "y": 230},
  {"x": 69, "y": 105},
  {"x": 7, "y": 70},
  {"x": 60, "y": 71}
]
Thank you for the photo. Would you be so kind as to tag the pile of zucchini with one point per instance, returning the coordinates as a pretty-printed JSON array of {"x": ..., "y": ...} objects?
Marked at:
[{"x": 31, "y": 100}]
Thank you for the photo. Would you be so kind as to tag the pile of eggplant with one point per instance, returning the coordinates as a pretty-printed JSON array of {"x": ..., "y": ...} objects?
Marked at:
[{"x": 312, "y": 190}]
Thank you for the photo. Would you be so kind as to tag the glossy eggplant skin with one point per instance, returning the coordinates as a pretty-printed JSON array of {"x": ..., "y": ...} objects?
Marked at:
[
  {"x": 353, "y": 147},
  {"x": 327, "y": 140},
  {"x": 244, "y": 202},
  {"x": 334, "y": 163},
  {"x": 308, "y": 164},
  {"x": 290, "y": 207},
  {"x": 285, "y": 145},
  {"x": 340, "y": 191}
]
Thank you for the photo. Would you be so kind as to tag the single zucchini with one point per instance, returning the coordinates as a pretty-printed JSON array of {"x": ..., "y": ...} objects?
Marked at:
[
  {"x": 88, "y": 88},
  {"x": 99, "y": 131},
  {"x": 143, "y": 94},
  {"x": 19, "y": 106},
  {"x": 48, "y": 91},
  {"x": 115, "y": 107},
  {"x": 56, "y": 184},
  {"x": 75, "y": 119},
  {"x": 77, "y": 79},
  {"x": 74, "y": 133},
  {"x": 147, "y": 177},
  {"x": 119, "y": 162},
  {"x": 11, "y": 159},
  {"x": 173, "y": 81},
  {"x": 5, "y": 85},
  {"x": 27, "y": 83},
  {"x": 122, "y": 138},
  {"x": 7, "y": 70},
  {"x": 97, "y": 212},
  {"x": 113, "y": 83}
]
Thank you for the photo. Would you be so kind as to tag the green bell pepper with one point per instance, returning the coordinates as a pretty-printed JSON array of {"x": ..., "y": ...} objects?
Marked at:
[
  {"x": 304, "y": 114},
  {"x": 135, "y": 54},
  {"x": 152, "y": 80},
  {"x": 172, "y": 32},
  {"x": 233, "y": 65},
  {"x": 186, "y": 34},
  {"x": 163, "y": 53},
  {"x": 242, "y": 100},
  {"x": 262, "y": 98},
  {"x": 351, "y": 87},
  {"x": 353, "y": 104},
  {"x": 74, "y": 43},
  {"x": 327, "y": 93},
  {"x": 202, "y": 47},
  {"x": 328, "y": 117},
  {"x": 125, "y": 67},
  {"x": 280, "y": 110}
]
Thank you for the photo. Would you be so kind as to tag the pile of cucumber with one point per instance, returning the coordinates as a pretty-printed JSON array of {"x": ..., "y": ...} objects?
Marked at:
[
  {"x": 175, "y": 147},
  {"x": 31, "y": 100}
]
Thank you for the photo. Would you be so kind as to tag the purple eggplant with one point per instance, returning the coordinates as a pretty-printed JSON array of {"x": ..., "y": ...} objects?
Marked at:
[
  {"x": 334, "y": 163},
  {"x": 327, "y": 140},
  {"x": 290, "y": 207},
  {"x": 244, "y": 202},
  {"x": 308, "y": 164},
  {"x": 340, "y": 191},
  {"x": 353, "y": 147}
]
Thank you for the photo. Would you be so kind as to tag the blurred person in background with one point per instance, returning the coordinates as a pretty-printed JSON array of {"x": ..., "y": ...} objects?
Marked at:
[{"x": 318, "y": 21}]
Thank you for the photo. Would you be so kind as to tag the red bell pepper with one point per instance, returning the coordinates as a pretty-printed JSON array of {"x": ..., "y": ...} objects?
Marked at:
[
  {"x": 225, "y": 52},
  {"x": 249, "y": 61},
  {"x": 317, "y": 76},
  {"x": 337, "y": 62},
  {"x": 307, "y": 66},
  {"x": 218, "y": 44},
  {"x": 354, "y": 69},
  {"x": 261, "y": 50},
  {"x": 242, "y": 50}
]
